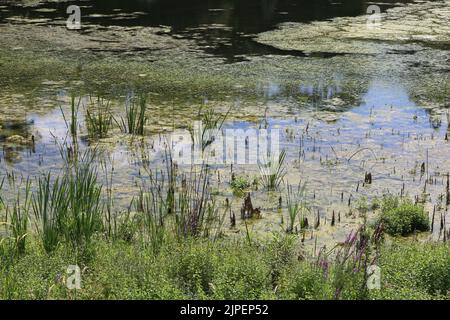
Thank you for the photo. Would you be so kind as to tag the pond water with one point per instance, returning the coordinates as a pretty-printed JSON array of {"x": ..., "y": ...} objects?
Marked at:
[
  {"x": 380, "y": 106},
  {"x": 221, "y": 27}
]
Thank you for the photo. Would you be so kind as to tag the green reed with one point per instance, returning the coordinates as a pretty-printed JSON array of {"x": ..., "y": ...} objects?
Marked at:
[
  {"x": 50, "y": 208},
  {"x": 154, "y": 217},
  {"x": 211, "y": 124},
  {"x": 18, "y": 214},
  {"x": 70, "y": 207},
  {"x": 196, "y": 211},
  {"x": 273, "y": 172},
  {"x": 135, "y": 118},
  {"x": 85, "y": 210},
  {"x": 296, "y": 206},
  {"x": 72, "y": 122},
  {"x": 98, "y": 119}
]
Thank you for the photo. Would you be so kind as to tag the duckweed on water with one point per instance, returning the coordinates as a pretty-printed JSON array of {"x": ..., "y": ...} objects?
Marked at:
[{"x": 360, "y": 111}]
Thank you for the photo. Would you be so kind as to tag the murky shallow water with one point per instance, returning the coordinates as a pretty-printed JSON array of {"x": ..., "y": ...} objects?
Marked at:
[
  {"x": 340, "y": 116},
  {"x": 222, "y": 27}
]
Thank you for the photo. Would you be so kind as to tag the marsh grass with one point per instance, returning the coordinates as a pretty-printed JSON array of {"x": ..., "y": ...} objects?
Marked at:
[
  {"x": 84, "y": 207},
  {"x": 135, "y": 118},
  {"x": 69, "y": 208},
  {"x": 273, "y": 172},
  {"x": 195, "y": 206},
  {"x": 98, "y": 119},
  {"x": 2, "y": 202},
  {"x": 72, "y": 122},
  {"x": 211, "y": 123},
  {"x": 154, "y": 218},
  {"x": 49, "y": 204},
  {"x": 296, "y": 207},
  {"x": 18, "y": 214}
]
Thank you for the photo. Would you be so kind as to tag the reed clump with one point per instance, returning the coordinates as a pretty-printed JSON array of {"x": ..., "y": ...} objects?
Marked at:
[
  {"x": 135, "y": 117},
  {"x": 99, "y": 119}
]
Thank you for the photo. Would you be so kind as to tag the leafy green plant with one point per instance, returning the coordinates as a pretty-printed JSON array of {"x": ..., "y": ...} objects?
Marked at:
[
  {"x": 239, "y": 185},
  {"x": 194, "y": 267},
  {"x": 416, "y": 268},
  {"x": 402, "y": 217}
]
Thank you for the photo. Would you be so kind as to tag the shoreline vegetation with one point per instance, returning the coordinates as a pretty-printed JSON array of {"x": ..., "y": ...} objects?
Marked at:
[
  {"x": 94, "y": 205},
  {"x": 170, "y": 244}
]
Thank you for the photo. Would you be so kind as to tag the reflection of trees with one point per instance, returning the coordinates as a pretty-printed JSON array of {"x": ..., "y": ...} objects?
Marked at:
[
  {"x": 12, "y": 153},
  {"x": 248, "y": 16}
]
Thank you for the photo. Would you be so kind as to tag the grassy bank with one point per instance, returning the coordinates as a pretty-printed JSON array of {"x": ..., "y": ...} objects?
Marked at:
[
  {"x": 200, "y": 269},
  {"x": 170, "y": 243}
]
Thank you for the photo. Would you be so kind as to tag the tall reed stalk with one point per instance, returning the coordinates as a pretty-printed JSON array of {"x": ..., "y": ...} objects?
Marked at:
[
  {"x": 50, "y": 206},
  {"x": 18, "y": 214},
  {"x": 296, "y": 206},
  {"x": 273, "y": 172},
  {"x": 196, "y": 211},
  {"x": 72, "y": 122},
  {"x": 85, "y": 210},
  {"x": 135, "y": 118},
  {"x": 98, "y": 119},
  {"x": 154, "y": 214}
]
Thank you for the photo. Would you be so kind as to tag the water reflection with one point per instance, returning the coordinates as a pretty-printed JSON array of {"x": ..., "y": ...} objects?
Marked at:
[{"x": 221, "y": 27}]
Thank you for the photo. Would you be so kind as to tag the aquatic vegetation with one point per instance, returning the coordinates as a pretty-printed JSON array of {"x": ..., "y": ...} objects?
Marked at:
[
  {"x": 84, "y": 207},
  {"x": 72, "y": 122},
  {"x": 196, "y": 211},
  {"x": 296, "y": 207},
  {"x": 153, "y": 208},
  {"x": 98, "y": 119},
  {"x": 49, "y": 204},
  {"x": 2, "y": 202},
  {"x": 273, "y": 172},
  {"x": 239, "y": 185},
  {"x": 135, "y": 118},
  {"x": 402, "y": 217},
  {"x": 164, "y": 235},
  {"x": 69, "y": 208},
  {"x": 211, "y": 123},
  {"x": 18, "y": 214},
  {"x": 354, "y": 34}
]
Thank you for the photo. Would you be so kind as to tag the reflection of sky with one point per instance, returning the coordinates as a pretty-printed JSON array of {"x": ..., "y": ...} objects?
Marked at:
[
  {"x": 384, "y": 120},
  {"x": 387, "y": 105}
]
